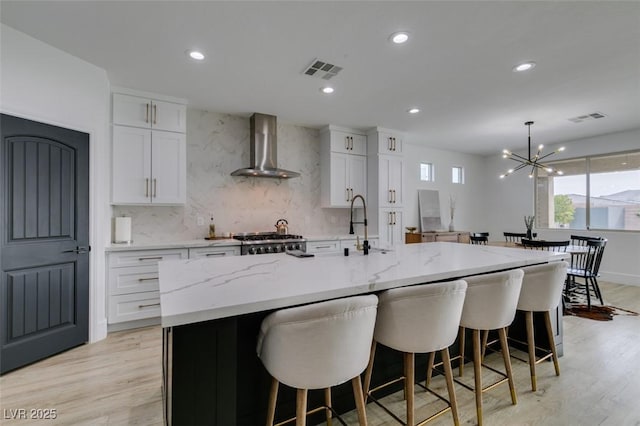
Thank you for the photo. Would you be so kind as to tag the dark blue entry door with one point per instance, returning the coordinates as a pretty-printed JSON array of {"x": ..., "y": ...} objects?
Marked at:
[{"x": 44, "y": 240}]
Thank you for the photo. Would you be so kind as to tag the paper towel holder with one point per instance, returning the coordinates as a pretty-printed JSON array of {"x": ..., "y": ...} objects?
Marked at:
[{"x": 121, "y": 229}]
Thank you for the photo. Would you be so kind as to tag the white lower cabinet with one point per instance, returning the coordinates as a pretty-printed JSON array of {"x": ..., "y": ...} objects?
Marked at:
[
  {"x": 133, "y": 286},
  {"x": 197, "y": 253},
  {"x": 390, "y": 228},
  {"x": 324, "y": 246}
]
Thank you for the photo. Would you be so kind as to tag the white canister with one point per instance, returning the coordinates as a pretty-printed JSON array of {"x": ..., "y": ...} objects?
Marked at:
[{"x": 122, "y": 230}]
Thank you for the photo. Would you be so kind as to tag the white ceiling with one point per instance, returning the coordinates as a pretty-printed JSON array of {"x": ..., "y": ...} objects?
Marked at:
[{"x": 456, "y": 67}]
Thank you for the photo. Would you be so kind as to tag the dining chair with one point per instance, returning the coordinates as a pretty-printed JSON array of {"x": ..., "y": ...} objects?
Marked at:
[
  {"x": 586, "y": 266},
  {"x": 581, "y": 240},
  {"x": 480, "y": 234},
  {"x": 516, "y": 237},
  {"x": 478, "y": 240},
  {"x": 546, "y": 245}
]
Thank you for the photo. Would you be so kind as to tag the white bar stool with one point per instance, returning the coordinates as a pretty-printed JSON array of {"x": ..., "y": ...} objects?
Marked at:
[
  {"x": 490, "y": 305},
  {"x": 419, "y": 319},
  {"x": 318, "y": 346},
  {"x": 541, "y": 292}
]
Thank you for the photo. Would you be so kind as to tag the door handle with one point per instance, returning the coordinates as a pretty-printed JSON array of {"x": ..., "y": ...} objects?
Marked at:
[{"x": 79, "y": 250}]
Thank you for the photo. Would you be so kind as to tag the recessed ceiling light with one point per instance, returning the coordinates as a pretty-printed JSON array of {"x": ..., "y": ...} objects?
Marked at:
[
  {"x": 195, "y": 54},
  {"x": 327, "y": 90},
  {"x": 525, "y": 66},
  {"x": 399, "y": 37},
  {"x": 413, "y": 111}
]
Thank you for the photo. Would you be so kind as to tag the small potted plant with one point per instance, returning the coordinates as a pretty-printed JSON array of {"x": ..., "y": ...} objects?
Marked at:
[{"x": 528, "y": 221}]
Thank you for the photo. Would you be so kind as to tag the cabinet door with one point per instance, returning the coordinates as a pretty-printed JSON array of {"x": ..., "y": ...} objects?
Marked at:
[
  {"x": 340, "y": 195},
  {"x": 389, "y": 143},
  {"x": 131, "y": 175},
  {"x": 131, "y": 111},
  {"x": 348, "y": 143},
  {"x": 168, "y": 168},
  {"x": 390, "y": 181},
  {"x": 357, "y": 176},
  {"x": 169, "y": 116},
  {"x": 390, "y": 227}
]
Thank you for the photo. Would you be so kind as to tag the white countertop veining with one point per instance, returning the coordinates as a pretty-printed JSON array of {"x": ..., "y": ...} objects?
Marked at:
[{"x": 204, "y": 289}]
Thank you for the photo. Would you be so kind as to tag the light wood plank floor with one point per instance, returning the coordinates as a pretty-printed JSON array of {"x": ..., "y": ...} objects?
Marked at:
[{"x": 118, "y": 381}]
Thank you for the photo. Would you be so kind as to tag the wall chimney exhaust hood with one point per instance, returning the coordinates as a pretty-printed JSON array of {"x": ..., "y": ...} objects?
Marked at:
[{"x": 264, "y": 150}]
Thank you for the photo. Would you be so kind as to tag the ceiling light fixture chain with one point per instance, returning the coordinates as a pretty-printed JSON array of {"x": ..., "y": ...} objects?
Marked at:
[{"x": 534, "y": 162}]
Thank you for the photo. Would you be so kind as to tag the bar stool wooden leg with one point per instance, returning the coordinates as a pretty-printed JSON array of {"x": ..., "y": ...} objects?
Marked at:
[
  {"x": 461, "y": 364},
  {"x": 448, "y": 374},
  {"x": 367, "y": 374},
  {"x": 531, "y": 344},
  {"x": 507, "y": 363},
  {"x": 301, "y": 407},
  {"x": 273, "y": 396},
  {"x": 409, "y": 362},
  {"x": 477, "y": 374},
  {"x": 432, "y": 357},
  {"x": 485, "y": 339},
  {"x": 327, "y": 402},
  {"x": 358, "y": 396},
  {"x": 552, "y": 343}
]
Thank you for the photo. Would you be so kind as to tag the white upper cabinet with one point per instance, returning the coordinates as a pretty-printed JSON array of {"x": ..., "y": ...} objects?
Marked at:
[
  {"x": 149, "y": 113},
  {"x": 387, "y": 141},
  {"x": 149, "y": 151},
  {"x": 348, "y": 143},
  {"x": 343, "y": 166}
]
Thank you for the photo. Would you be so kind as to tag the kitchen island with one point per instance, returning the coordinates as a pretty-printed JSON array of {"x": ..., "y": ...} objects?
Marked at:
[{"x": 211, "y": 311}]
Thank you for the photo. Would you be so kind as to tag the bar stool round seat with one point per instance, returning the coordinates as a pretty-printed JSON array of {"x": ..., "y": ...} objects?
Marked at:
[
  {"x": 318, "y": 346},
  {"x": 419, "y": 319},
  {"x": 541, "y": 292},
  {"x": 490, "y": 305}
]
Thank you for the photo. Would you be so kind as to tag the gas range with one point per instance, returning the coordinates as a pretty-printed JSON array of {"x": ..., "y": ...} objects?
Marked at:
[{"x": 269, "y": 242}]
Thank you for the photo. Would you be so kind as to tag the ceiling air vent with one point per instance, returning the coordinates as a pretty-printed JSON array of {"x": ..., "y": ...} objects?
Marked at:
[
  {"x": 322, "y": 69},
  {"x": 587, "y": 117}
]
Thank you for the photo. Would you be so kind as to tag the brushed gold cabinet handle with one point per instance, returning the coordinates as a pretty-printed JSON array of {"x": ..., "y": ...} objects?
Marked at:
[
  {"x": 216, "y": 254},
  {"x": 347, "y": 194},
  {"x": 155, "y": 114},
  {"x": 155, "y": 187},
  {"x": 149, "y": 305},
  {"x": 148, "y": 279},
  {"x": 146, "y": 187},
  {"x": 393, "y": 144},
  {"x": 146, "y": 116},
  {"x": 150, "y": 258},
  {"x": 346, "y": 143}
]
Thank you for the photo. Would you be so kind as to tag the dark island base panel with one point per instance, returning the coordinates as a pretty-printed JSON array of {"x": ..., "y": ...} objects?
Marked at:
[{"x": 214, "y": 377}]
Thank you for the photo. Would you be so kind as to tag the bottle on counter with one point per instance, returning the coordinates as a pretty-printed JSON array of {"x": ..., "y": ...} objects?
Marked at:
[{"x": 212, "y": 229}]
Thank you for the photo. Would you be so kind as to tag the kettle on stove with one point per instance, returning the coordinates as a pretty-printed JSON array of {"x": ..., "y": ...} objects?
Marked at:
[{"x": 282, "y": 226}]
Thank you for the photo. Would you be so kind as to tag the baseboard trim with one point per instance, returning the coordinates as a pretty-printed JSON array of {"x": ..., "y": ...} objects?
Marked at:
[
  {"x": 120, "y": 326},
  {"x": 617, "y": 278}
]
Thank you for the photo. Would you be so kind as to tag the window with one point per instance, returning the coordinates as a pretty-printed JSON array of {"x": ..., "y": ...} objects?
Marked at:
[
  {"x": 426, "y": 172},
  {"x": 600, "y": 192},
  {"x": 457, "y": 174}
]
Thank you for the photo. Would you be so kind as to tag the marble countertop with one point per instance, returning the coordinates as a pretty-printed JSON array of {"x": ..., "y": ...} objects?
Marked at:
[{"x": 198, "y": 290}]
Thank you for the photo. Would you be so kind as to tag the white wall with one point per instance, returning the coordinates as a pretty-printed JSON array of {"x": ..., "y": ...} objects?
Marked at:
[
  {"x": 509, "y": 199},
  {"x": 469, "y": 196},
  {"x": 45, "y": 84}
]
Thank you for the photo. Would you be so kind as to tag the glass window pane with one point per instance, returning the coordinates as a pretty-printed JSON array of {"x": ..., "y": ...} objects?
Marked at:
[
  {"x": 457, "y": 174},
  {"x": 426, "y": 172},
  {"x": 614, "y": 187},
  {"x": 562, "y": 199}
]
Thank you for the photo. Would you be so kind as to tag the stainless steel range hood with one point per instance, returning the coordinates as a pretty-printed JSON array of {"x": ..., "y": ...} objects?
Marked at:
[{"x": 264, "y": 150}]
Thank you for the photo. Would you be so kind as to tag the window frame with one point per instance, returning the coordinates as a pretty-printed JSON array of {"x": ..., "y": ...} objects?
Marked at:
[{"x": 587, "y": 159}]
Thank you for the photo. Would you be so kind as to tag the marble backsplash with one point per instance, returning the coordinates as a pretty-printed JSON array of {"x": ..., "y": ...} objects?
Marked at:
[{"x": 218, "y": 144}]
